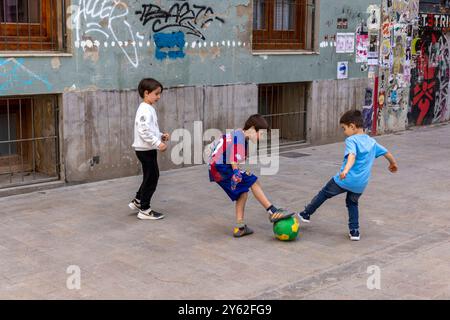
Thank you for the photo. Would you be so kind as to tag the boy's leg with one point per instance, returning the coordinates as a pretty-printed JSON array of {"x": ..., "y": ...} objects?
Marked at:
[
  {"x": 151, "y": 177},
  {"x": 241, "y": 228},
  {"x": 330, "y": 190},
  {"x": 276, "y": 214},
  {"x": 259, "y": 195},
  {"x": 353, "y": 214}
]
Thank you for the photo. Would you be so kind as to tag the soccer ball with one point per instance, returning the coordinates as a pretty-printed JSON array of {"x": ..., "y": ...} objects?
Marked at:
[{"x": 286, "y": 229}]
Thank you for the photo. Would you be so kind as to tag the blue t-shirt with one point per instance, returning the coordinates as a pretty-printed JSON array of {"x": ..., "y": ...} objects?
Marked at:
[{"x": 366, "y": 149}]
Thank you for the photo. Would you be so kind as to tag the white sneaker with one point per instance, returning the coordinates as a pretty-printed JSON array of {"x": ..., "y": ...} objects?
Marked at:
[
  {"x": 149, "y": 214},
  {"x": 134, "y": 205}
]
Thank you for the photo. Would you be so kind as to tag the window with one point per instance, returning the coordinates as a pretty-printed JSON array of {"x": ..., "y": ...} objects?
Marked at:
[
  {"x": 283, "y": 105},
  {"x": 29, "y": 25},
  {"x": 283, "y": 24},
  {"x": 28, "y": 140}
]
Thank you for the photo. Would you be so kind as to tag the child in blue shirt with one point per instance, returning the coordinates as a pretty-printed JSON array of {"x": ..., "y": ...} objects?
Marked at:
[
  {"x": 353, "y": 177},
  {"x": 227, "y": 153}
]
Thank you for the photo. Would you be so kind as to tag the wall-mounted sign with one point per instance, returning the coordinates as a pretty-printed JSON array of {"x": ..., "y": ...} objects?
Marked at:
[
  {"x": 434, "y": 21},
  {"x": 345, "y": 42},
  {"x": 342, "y": 70}
]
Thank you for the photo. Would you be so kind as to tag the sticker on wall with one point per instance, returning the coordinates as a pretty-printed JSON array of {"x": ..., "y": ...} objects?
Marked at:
[
  {"x": 371, "y": 72},
  {"x": 362, "y": 48},
  {"x": 372, "y": 55},
  {"x": 342, "y": 23},
  {"x": 342, "y": 70},
  {"x": 373, "y": 21}
]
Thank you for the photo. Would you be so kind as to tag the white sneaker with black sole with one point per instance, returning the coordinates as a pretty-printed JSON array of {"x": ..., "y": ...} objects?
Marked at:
[
  {"x": 134, "y": 205},
  {"x": 149, "y": 214}
]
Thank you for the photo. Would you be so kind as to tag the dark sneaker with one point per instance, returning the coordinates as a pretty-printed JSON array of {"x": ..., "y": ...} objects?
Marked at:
[
  {"x": 149, "y": 214},
  {"x": 306, "y": 218},
  {"x": 240, "y": 232},
  {"x": 134, "y": 205},
  {"x": 354, "y": 235},
  {"x": 280, "y": 214}
]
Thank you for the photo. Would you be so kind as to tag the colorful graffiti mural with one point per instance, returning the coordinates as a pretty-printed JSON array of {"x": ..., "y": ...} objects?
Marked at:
[{"x": 430, "y": 80}]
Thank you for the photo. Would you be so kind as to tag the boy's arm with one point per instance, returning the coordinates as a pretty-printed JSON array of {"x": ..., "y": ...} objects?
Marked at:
[
  {"x": 393, "y": 167},
  {"x": 146, "y": 133},
  {"x": 350, "y": 162}
]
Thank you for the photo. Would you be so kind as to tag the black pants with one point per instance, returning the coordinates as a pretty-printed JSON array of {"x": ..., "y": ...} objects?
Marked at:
[{"x": 150, "y": 170}]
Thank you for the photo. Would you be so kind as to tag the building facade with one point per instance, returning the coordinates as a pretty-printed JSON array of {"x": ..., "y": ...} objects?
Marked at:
[{"x": 69, "y": 71}]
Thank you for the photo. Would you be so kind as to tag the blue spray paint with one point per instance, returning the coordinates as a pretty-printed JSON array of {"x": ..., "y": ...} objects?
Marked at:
[
  {"x": 14, "y": 74},
  {"x": 172, "y": 44}
]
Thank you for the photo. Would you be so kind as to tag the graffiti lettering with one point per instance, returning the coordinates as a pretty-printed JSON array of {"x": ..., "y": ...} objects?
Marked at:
[
  {"x": 106, "y": 18},
  {"x": 179, "y": 16}
]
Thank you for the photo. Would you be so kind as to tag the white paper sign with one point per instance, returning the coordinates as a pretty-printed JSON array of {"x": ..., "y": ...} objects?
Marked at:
[
  {"x": 345, "y": 42},
  {"x": 342, "y": 70}
]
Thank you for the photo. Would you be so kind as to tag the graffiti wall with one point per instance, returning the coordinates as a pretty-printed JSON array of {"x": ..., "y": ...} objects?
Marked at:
[
  {"x": 399, "y": 28},
  {"x": 430, "y": 77},
  {"x": 113, "y": 44}
]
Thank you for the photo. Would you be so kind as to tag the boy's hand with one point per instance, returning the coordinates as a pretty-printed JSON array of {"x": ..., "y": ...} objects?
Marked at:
[
  {"x": 162, "y": 147},
  {"x": 165, "y": 137},
  {"x": 343, "y": 175},
  {"x": 393, "y": 167}
]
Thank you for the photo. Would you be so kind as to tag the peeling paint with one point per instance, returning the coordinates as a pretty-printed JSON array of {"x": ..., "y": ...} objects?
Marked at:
[{"x": 56, "y": 63}]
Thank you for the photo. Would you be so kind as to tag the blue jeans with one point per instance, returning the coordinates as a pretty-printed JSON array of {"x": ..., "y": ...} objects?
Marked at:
[{"x": 330, "y": 190}]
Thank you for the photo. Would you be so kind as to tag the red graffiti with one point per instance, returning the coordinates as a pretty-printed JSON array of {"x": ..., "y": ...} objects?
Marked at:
[{"x": 424, "y": 93}]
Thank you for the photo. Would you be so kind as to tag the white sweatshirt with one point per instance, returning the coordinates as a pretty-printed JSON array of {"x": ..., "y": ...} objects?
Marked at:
[{"x": 146, "y": 130}]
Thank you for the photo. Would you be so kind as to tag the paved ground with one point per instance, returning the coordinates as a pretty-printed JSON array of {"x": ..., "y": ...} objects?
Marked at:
[{"x": 405, "y": 225}]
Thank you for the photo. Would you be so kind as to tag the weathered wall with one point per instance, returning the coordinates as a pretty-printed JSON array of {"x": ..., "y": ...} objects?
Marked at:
[
  {"x": 398, "y": 30},
  {"x": 99, "y": 125},
  {"x": 328, "y": 101},
  {"x": 114, "y": 44},
  {"x": 430, "y": 78}
]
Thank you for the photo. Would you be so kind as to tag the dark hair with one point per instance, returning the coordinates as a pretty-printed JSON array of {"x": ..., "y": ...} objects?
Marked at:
[
  {"x": 256, "y": 121},
  {"x": 149, "y": 85},
  {"x": 352, "y": 116}
]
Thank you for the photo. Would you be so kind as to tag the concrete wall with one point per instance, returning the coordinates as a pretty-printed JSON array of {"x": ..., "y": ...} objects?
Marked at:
[
  {"x": 328, "y": 101},
  {"x": 212, "y": 76},
  {"x": 99, "y": 125}
]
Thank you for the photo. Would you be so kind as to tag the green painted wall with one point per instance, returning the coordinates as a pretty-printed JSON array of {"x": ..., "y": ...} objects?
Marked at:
[{"x": 96, "y": 67}]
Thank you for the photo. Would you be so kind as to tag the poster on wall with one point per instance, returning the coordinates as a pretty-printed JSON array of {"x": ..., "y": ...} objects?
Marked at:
[
  {"x": 342, "y": 70},
  {"x": 345, "y": 42},
  {"x": 362, "y": 48},
  {"x": 372, "y": 55},
  {"x": 373, "y": 21}
]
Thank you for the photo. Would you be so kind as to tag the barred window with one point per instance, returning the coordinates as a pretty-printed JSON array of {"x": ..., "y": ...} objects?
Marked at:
[
  {"x": 283, "y": 24},
  {"x": 30, "y": 25}
]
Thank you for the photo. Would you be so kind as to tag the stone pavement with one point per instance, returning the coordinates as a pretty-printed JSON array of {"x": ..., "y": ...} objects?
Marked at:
[{"x": 405, "y": 225}]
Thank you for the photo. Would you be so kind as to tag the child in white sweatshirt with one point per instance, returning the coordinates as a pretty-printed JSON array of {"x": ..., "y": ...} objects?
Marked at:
[{"x": 147, "y": 140}]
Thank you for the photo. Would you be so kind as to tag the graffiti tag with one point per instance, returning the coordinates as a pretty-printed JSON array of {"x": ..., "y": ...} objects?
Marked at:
[
  {"x": 106, "y": 18},
  {"x": 180, "y": 16}
]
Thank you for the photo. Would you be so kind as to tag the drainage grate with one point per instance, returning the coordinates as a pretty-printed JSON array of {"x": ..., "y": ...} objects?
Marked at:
[{"x": 294, "y": 154}]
